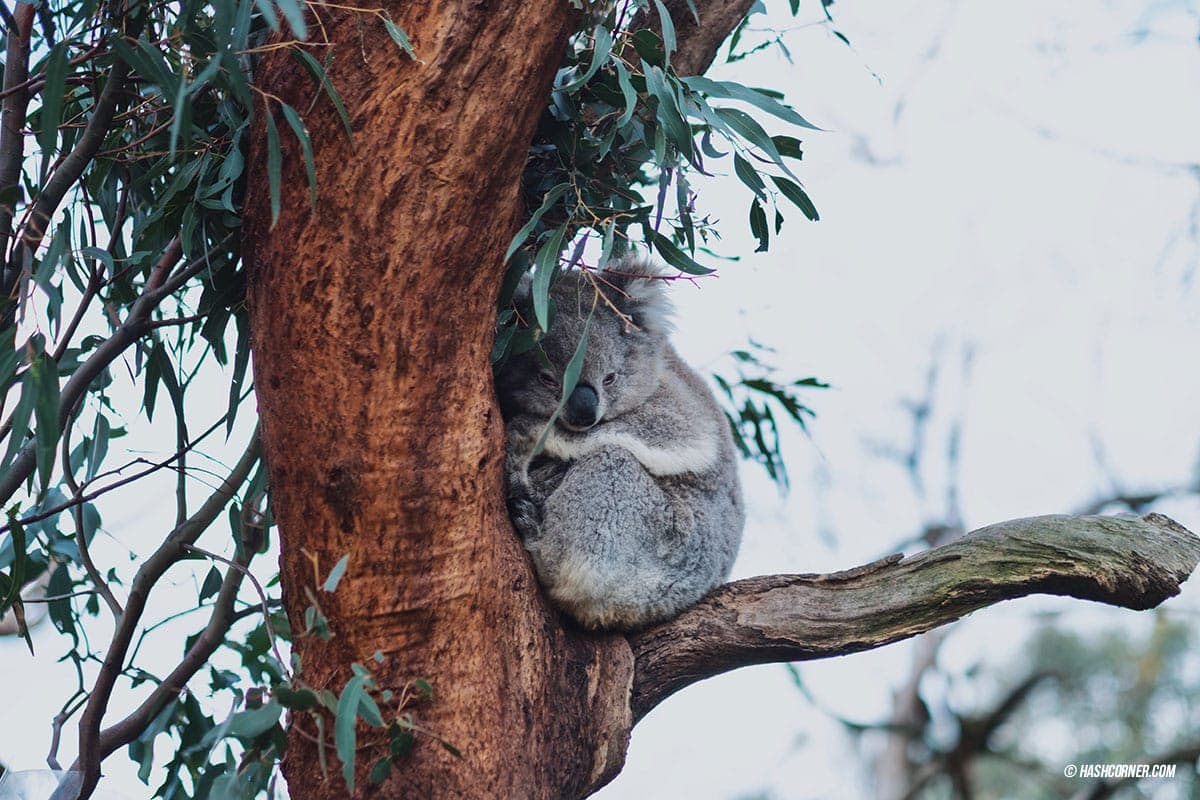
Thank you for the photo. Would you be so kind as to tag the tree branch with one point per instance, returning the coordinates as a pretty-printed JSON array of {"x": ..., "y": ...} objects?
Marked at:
[
  {"x": 160, "y": 284},
  {"x": 168, "y": 553},
  {"x": 12, "y": 118},
  {"x": 698, "y": 42},
  {"x": 1134, "y": 563}
]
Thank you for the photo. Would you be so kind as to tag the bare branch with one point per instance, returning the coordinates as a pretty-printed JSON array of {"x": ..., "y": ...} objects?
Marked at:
[
  {"x": 1134, "y": 563},
  {"x": 161, "y": 284},
  {"x": 81, "y": 540},
  {"x": 168, "y": 553},
  {"x": 219, "y": 622},
  {"x": 73, "y": 165},
  {"x": 12, "y": 118}
]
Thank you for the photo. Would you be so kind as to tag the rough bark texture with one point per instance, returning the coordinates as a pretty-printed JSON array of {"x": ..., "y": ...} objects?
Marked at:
[
  {"x": 373, "y": 320},
  {"x": 1134, "y": 563}
]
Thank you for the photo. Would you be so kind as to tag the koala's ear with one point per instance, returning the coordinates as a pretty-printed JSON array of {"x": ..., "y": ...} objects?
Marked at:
[{"x": 641, "y": 293}]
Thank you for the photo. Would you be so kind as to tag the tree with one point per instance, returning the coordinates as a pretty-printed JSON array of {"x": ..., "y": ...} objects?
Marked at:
[{"x": 373, "y": 252}]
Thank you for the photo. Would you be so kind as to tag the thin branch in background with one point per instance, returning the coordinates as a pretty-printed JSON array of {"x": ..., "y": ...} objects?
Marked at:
[
  {"x": 69, "y": 708},
  {"x": 71, "y": 169},
  {"x": 81, "y": 541},
  {"x": 170, "y": 552},
  {"x": 264, "y": 603},
  {"x": 160, "y": 285},
  {"x": 154, "y": 467},
  {"x": 213, "y": 635},
  {"x": 12, "y": 122}
]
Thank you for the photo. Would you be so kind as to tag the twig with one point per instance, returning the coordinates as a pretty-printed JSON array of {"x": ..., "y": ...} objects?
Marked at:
[
  {"x": 158, "y": 287},
  {"x": 264, "y": 603},
  {"x": 12, "y": 119},
  {"x": 171, "y": 551},
  {"x": 81, "y": 541}
]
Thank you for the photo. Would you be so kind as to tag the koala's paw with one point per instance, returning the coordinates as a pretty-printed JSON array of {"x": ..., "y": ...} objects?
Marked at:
[{"x": 526, "y": 516}]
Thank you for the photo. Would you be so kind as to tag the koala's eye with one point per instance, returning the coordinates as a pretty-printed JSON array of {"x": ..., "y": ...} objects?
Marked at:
[
  {"x": 610, "y": 379},
  {"x": 548, "y": 380}
]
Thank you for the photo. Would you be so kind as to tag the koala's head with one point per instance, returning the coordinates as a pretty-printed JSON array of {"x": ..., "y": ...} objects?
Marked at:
[{"x": 626, "y": 342}]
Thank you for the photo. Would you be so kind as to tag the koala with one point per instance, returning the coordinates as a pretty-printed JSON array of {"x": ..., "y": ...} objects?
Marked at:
[{"x": 633, "y": 509}]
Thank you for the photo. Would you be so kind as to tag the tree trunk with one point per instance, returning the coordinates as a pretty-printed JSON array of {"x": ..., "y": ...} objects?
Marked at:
[{"x": 373, "y": 320}]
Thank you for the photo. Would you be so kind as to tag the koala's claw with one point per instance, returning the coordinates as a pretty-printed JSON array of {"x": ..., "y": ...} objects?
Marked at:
[{"x": 526, "y": 516}]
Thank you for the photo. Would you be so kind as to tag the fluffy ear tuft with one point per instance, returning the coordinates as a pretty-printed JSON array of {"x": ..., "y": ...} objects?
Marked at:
[{"x": 641, "y": 292}]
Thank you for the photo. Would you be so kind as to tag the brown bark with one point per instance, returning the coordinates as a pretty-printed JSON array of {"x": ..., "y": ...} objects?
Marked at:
[{"x": 373, "y": 319}]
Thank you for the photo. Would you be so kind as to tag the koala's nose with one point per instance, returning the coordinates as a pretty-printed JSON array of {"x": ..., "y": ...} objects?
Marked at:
[{"x": 583, "y": 407}]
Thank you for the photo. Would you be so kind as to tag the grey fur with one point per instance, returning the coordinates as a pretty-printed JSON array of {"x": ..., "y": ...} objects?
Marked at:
[{"x": 635, "y": 517}]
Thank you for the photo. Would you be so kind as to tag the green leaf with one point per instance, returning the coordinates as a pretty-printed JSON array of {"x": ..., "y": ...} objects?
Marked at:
[
  {"x": 676, "y": 257},
  {"x": 601, "y": 48},
  {"x": 321, "y": 76},
  {"x": 297, "y": 124},
  {"x": 267, "y": 9},
  {"x": 335, "y": 574},
  {"x": 668, "y": 29},
  {"x": 10, "y": 357},
  {"x": 569, "y": 380},
  {"x": 551, "y": 197},
  {"x": 21, "y": 415},
  {"x": 627, "y": 92},
  {"x": 101, "y": 433},
  {"x": 344, "y": 737},
  {"x": 749, "y": 176},
  {"x": 380, "y": 772},
  {"x": 212, "y": 583},
  {"x": 274, "y": 164},
  {"x": 369, "y": 711},
  {"x": 798, "y": 196},
  {"x": 295, "y": 699},
  {"x": 546, "y": 264},
  {"x": 52, "y": 103},
  {"x": 255, "y": 721},
  {"x": 668, "y": 114},
  {"x": 736, "y": 91},
  {"x": 16, "y": 577},
  {"x": 758, "y": 226},
  {"x": 399, "y": 37},
  {"x": 179, "y": 108},
  {"x": 401, "y": 743},
  {"x": 241, "y": 361},
  {"x": 788, "y": 146},
  {"x": 748, "y": 128},
  {"x": 43, "y": 375},
  {"x": 293, "y": 12}
]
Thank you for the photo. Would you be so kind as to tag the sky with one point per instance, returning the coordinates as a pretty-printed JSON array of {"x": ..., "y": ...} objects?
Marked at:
[{"x": 1008, "y": 192}]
